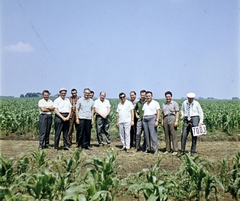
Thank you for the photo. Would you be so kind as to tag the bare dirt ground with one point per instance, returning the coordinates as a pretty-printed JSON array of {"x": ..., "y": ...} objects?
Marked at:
[
  {"x": 209, "y": 148},
  {"x": 212, "y": 149}
]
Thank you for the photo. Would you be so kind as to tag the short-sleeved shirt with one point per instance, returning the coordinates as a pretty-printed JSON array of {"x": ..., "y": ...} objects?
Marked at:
[
  {"x": 85, "y": 107},
  {"x": 102, "y": 106},
  {"x": 124, "y": 111},
  {"x": 138, "y": 108},
  {"x": 63, "y": 105},
  {"x": 151, "y": 108},
  {"x": 170, "y": 108},
  {"x": 44, "y": 103}
]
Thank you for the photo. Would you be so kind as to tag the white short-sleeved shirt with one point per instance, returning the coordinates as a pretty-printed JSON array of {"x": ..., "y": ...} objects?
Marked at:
[
  {"x": 151, "y": 108},
  {"x": 44, "y": 103},
  {"x": 63, "y": 105},
  {"x": 124, "y": 111},
  {"x": 102, "y": 106}
]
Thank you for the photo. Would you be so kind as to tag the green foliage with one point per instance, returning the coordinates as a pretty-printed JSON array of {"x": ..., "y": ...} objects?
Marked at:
[
  {"x": 21, "y": 115},
  {"x": 150, "y": 183}
]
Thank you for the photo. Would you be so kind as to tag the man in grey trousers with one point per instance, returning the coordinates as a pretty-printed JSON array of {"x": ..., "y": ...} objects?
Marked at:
[
  {"x": 170, "y": 114},
  {"x": 150, "y": 122},
  {"x": 139, "y": 115}
]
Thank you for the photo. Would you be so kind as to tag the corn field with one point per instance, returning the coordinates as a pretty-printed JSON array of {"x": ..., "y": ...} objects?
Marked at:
[
  {"x": 73, "y": 178},
  {"x": 21, "y": 116}
]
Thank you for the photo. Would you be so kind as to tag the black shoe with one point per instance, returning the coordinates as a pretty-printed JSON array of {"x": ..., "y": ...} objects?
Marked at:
[
  {"x": 66, "y": 147},
  {"x": 46, "y": 146},
  {"x": 193, "y": 154},
  {"x": 182, "y": 153}
]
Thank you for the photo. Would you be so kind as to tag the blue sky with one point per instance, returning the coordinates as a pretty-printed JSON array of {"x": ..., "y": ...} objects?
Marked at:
[{"x": 114, "y": 46}]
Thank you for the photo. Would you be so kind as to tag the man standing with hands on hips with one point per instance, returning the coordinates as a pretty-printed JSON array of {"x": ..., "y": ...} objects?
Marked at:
[
  {"x": 192, "y": 116},
  {"x": 170, "y": 114},
  {"x": 62, "y": 109}
]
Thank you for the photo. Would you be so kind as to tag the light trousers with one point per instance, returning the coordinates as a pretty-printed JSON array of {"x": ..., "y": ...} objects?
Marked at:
[{"x": 124, "y": 129}]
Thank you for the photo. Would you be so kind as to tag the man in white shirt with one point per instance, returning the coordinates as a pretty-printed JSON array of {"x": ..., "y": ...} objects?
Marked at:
[
  {"x": 45, "y": 119},
  {"x": 125, "y": 119},
  {"x": 192, "y": 116},
  {"x": 150, "y": 122},
  {"x": 102, "y": 110},
  {"x": 62, "y": 109}
]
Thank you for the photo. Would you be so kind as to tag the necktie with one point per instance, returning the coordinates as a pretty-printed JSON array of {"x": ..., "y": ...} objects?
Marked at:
[{"x": 188, "y": 112}]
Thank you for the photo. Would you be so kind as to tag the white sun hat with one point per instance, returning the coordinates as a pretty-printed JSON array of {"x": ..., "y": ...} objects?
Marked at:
[
  {"x": 62, "y": 89},
  {"x": 191, "y": 95}
]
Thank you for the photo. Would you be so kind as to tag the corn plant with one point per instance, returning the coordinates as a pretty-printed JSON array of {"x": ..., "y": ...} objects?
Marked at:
[
  {"x": 101, "y": 179},
  {"x": 152, "y": 185},
  {"x": 235, "y": 180},
  {"x": 199, "y": 182},
  {"x": 6, "y": 171}
]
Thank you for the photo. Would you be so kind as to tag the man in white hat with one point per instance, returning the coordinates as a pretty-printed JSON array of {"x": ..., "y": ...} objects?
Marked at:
[
  {"x": 62, "y": 109},
  {"x": 192, "y": 116}
]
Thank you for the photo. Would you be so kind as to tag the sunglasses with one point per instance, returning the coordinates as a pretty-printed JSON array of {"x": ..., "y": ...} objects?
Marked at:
[{"x": 122, "y": 97}]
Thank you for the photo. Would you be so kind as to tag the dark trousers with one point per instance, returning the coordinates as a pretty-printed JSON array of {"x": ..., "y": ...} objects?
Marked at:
[
  {"x": 45, "y": 123},
  {"x": 187, "y": 126},
  {"x": 61, "y": 126},
  {"x": 72, "y": 124},
  {"x": 84, "y": 133},
  {"x": 102, "y": 127},
  {"x": 133, "y": 133}
]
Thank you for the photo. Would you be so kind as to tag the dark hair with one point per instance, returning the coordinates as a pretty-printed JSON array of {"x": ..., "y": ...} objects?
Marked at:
[
  {"x": 143, "y": 91},
  {"x": 74, "y": 90},
  {"x": 133, "y": 92},
  {"x": 149, "y": 92},
  {"x": 168, "y": 92},
  {"x": 92, "y": 92},
  {"x": 45, "y": 91},
  {"x": 122, "y": 94}
]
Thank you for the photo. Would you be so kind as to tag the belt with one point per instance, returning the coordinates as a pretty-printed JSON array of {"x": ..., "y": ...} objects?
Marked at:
[
  {"x": 171, "y": 114},
  {"x": 64, "y": 112},
  {"x": 191, "y": 117}
]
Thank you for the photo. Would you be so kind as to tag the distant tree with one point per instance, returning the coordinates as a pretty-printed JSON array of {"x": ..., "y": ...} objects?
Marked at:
[
  {"x": 32, "y": 95},
  {"x": 21, "y": 95},
  {"x": 235, "y": 98}
]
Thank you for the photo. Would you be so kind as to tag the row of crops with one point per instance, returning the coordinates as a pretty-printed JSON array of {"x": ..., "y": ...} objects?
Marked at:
[
  {"x": 21, "y": 116},
  {"x": 35, "y": 177}
]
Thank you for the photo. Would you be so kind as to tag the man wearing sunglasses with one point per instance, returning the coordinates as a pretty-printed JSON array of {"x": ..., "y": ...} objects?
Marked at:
[{"x": 125, "y": 119}]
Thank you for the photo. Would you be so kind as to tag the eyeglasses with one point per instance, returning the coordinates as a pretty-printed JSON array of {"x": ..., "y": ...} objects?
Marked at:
[{"x": 122, "y": 97}]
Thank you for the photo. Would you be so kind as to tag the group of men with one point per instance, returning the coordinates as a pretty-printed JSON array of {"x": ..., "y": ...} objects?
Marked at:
[{"x": 133, "y": 117}]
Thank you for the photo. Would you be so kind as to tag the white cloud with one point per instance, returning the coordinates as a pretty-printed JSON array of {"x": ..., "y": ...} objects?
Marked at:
[{"x": 20, "y": 47}]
